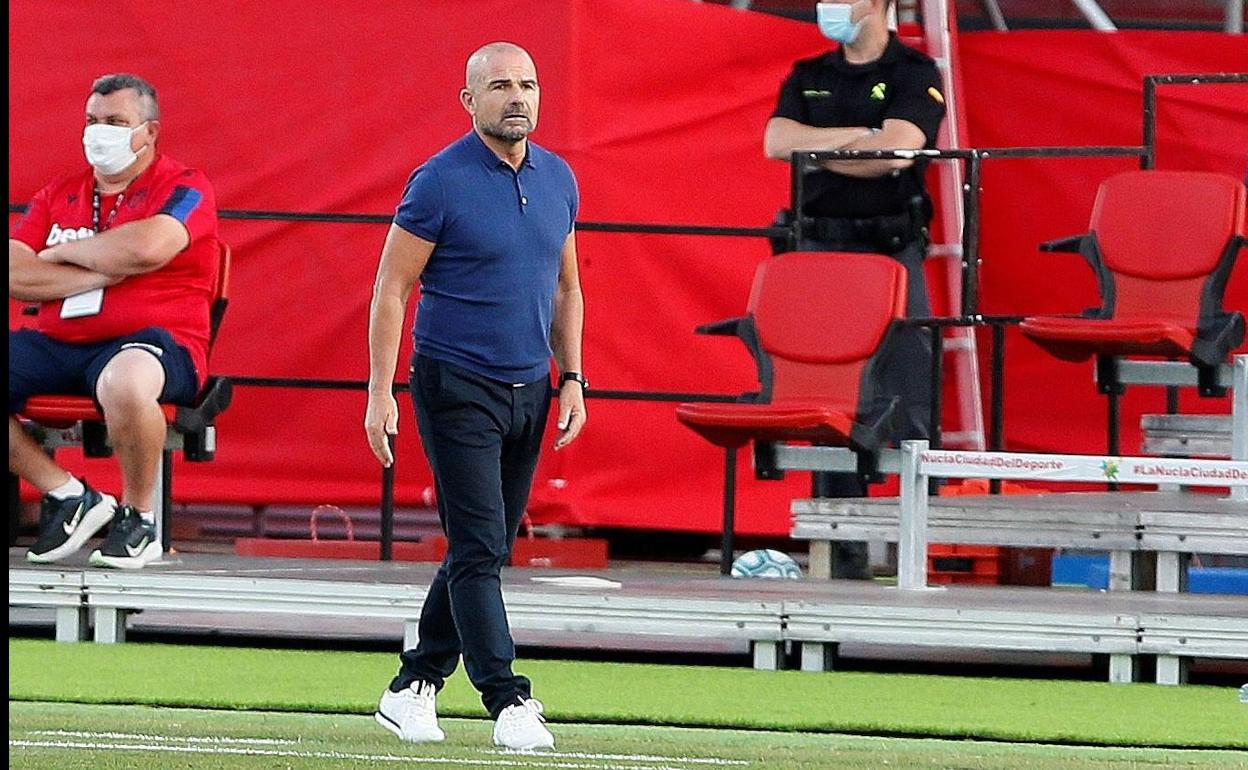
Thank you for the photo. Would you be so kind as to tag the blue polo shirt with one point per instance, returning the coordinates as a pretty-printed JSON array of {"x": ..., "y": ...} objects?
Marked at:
[{"x": 487, "y": 293}]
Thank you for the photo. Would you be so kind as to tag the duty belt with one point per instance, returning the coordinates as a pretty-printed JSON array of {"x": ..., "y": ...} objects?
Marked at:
[{"x": 889, "y": 232}]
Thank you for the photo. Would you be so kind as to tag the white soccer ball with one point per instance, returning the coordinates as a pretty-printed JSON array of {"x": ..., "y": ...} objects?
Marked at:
[{"x": 766, "y": 563}]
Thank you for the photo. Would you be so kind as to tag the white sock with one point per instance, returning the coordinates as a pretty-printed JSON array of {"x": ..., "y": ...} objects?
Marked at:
[
  {"x": 148, "y": 516},
  {"x": 71, "y": 488}
]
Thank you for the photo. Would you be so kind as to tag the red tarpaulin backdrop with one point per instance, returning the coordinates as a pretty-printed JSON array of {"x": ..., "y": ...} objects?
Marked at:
[{"x": 659, "y": 105}]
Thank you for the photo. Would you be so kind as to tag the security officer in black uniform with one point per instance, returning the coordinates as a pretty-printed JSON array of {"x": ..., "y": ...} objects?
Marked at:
[{"x": 871, "y": 93}]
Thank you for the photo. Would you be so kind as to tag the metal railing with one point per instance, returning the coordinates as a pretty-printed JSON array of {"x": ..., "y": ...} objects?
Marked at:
[{"x": 971, "y": 263}]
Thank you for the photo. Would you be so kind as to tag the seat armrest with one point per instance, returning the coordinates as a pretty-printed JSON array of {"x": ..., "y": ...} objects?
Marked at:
[
  {"x": 1070, "y": 245},
  {"x": 728, "y": 327},
  {"x": 869, "y": 439},
  {"x": 212, "y": 401}
]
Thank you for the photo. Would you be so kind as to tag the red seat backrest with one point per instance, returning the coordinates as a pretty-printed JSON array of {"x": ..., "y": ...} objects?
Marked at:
[
  {"x": 1161, "y": 234},
  {"x": 220, "y": 293},
  {"x": 820, "y": 317}
]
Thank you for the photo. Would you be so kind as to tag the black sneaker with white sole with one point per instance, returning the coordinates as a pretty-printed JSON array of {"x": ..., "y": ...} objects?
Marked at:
[
  {"x": 64, "y": 525},
  {"x": 131, "y": 542}
]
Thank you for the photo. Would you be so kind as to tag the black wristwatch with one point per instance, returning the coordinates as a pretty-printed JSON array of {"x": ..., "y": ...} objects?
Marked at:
[{"x": 574, "y": 377}]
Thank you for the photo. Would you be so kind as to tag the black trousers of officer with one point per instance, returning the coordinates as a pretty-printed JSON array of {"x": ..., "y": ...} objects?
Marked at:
[
  {"x": 482, "y": 438},
  {"x": 907, "y": 373}
]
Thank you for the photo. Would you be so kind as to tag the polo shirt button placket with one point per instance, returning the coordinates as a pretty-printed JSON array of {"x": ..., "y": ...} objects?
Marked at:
[{"x": 524, "y": 199}]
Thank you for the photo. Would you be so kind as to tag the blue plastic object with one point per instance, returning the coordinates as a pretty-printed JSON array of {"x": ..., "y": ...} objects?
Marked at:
[{"x": 1092, "y": 570}]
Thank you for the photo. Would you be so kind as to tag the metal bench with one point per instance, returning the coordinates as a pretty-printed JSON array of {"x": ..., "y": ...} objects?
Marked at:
[
  {"x": 630, "y": 608},
  {"x": 968, "y": 618},
  {"x": 61, "y": 590},
  {"x": 1174, "y": 524},
  {"x": 1182, "y": 435},
  {"x": 640, "y": 610},
  {"x": 1203, "y": 626},
  {"x": 1120, "y": 625}
]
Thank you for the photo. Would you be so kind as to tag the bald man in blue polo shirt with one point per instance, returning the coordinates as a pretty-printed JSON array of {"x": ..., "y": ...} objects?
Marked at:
[{"x": 487, "y": 227}]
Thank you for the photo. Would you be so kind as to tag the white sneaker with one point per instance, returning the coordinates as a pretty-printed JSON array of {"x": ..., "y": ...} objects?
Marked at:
[
  {"x": 520, "y": 727},
  {"x": 411, "y": 713}
]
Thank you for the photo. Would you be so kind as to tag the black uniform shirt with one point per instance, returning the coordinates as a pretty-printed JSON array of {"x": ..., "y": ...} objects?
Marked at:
[{"x": 829, "y": 92}]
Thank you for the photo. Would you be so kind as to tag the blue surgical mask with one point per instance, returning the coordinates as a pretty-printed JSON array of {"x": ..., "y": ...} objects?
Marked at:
[{"x": 834, "y": 22}]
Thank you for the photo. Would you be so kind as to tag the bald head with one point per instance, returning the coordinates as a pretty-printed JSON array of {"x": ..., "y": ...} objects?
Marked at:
[
  {"x": 501, "y": 92},
  {"x": 478, "y": 69}
]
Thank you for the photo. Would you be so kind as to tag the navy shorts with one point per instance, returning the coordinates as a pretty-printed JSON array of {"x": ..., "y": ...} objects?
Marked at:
[{"x": 40, "y": 365}]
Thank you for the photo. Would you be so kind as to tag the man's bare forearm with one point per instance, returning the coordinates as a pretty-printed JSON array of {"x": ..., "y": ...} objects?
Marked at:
[
  {"x": 33, "y": 280},
  {"x": 129, "y": 249},
  {"x": 567, "y": 330},
  {"x": 385, "y": 329},
  {"x": 896, "y": 135},
  {"x": 783, "y": 137}
]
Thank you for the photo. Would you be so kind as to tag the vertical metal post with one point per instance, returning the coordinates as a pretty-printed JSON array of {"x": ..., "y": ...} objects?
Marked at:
[
  {"x": 970, "y": 237},
  {"x": 71, "y": 624},
  {"x": 387, "y": 506},
  {"x": 110, "y": 625},
  {"x": 994, "y": 14},
  {"x": 1115, "y": 409},
  {"x": 1109, "y": 383},
  {"x": 1239, "y": 417},
  {"x": 797, "y": 173},
  {"x": 1095, "y": 15},
  {"x": 936, "y": 415},
  {"x": 164, "y": 518},
  {"x": 996, "y": 428},
  {"x": 912, "y": 538},
  {"x": 1150, "y": 124},
  {"x": 1235, "y": 17},
  {"x": 727, "y": 540},
  {"x": 1111, "y": 444},
  {"x": 937, "y": 395}
]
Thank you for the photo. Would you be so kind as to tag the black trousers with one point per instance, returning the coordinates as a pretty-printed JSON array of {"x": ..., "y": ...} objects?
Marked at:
[
  {"x": 482, "y": 438},
  {"x": 907, "y": 373}
]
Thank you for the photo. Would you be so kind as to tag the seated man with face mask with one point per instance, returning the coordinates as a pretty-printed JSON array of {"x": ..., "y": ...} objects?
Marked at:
[
  {"x": 870, "y": 93},
  {"x": 121, "y": 259}
]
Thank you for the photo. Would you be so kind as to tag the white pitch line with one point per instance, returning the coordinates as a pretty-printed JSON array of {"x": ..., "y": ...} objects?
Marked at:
[
  {"x": 531, "y": 760},
  {"x": 229, "y": 571},
  {"x": 642, "y": 758},
  {"x": 167, "y": 738}
]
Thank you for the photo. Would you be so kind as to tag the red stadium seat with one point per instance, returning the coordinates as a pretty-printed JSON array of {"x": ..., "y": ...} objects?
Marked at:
[
  {"x": 191, "y": 428},
  {"x": 817, "y": 323},
  {"x": 1162, "y": 245}
]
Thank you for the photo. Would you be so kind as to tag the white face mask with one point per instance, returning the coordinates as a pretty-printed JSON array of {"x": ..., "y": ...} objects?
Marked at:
[{"x": 108, "y": 147}]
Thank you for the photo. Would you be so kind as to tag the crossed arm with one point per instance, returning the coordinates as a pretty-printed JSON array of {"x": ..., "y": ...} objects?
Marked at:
[
  {"x": 785, "y": 136},
  {"x": 92, "y": 263}
]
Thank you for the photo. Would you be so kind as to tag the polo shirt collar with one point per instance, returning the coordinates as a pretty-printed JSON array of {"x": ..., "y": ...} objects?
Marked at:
[
  {"x": 487, "y": 156},
  {"x": 892, "y": 52}
]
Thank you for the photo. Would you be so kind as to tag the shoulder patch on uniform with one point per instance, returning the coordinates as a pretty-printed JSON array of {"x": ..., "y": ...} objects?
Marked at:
[{"x": 933, "y": 92}]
